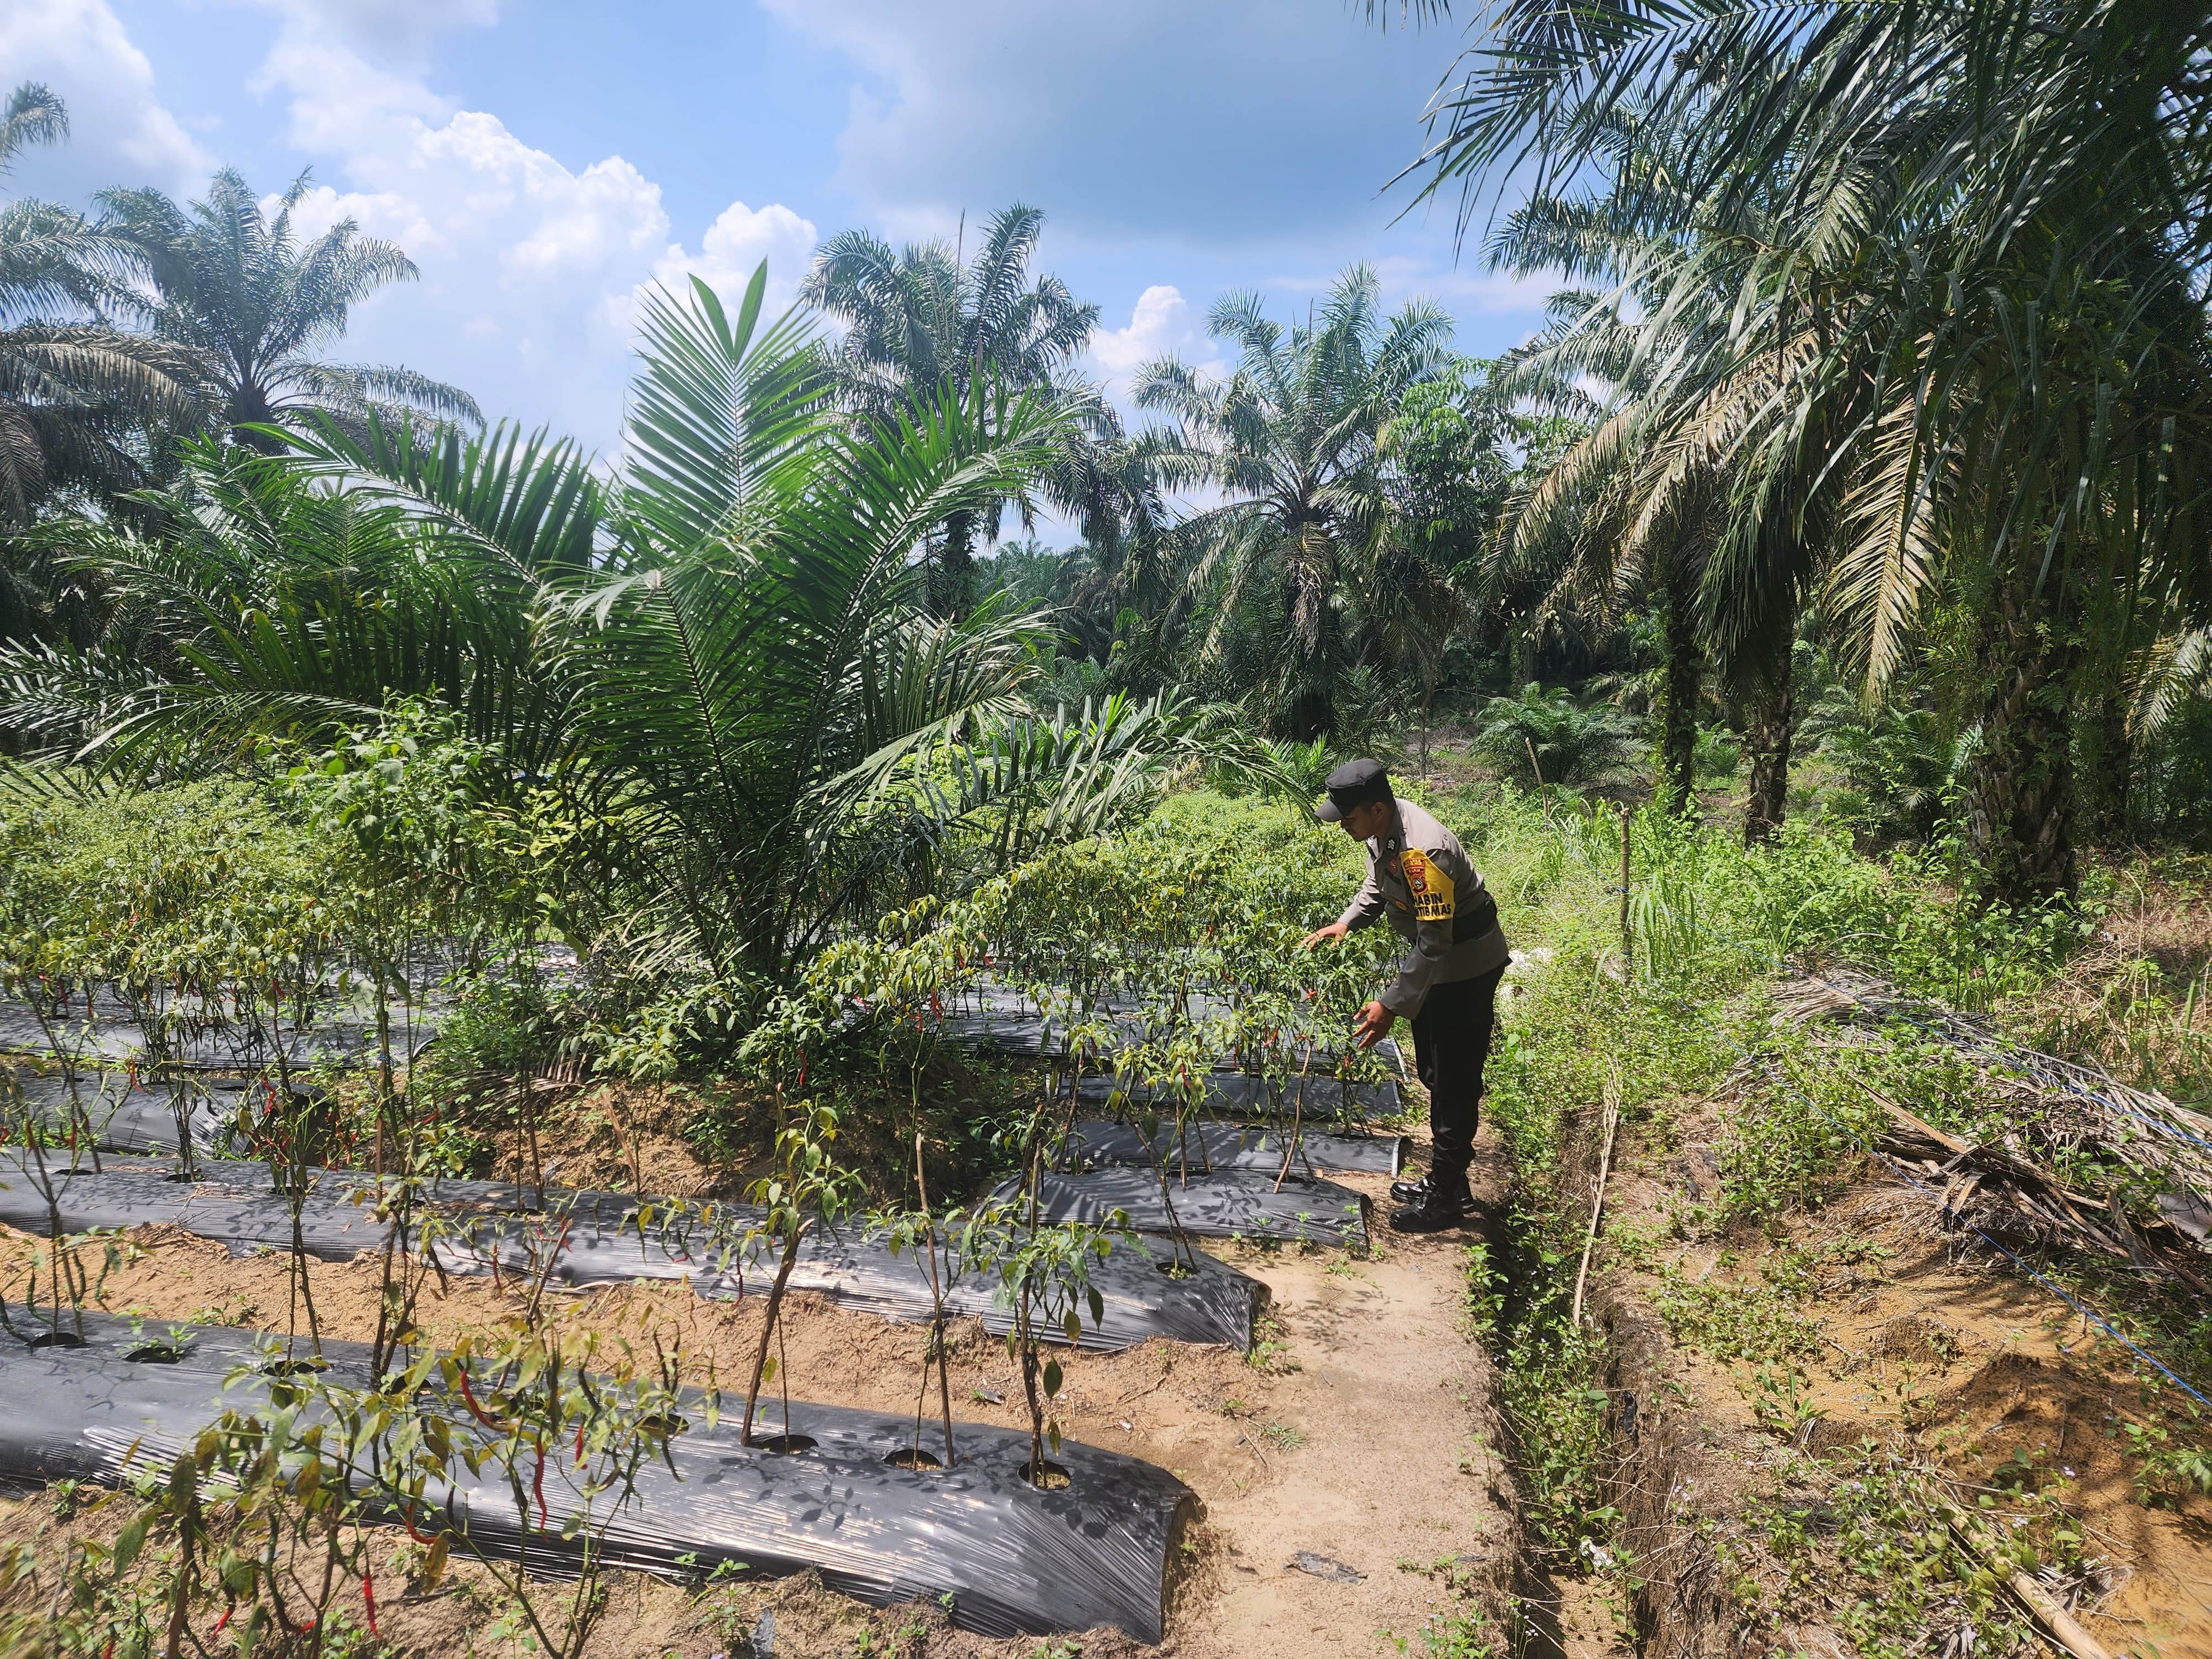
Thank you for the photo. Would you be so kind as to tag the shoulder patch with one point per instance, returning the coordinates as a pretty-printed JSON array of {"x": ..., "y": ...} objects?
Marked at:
[{"x": 1430, "y": 887}]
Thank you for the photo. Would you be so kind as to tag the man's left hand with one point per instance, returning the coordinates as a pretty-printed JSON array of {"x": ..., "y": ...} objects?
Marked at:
[{"x": 1373, "y": 1025}]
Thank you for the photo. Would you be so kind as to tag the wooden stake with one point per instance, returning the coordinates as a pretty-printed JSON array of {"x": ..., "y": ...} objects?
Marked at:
[
  {"x": 1597, "y": 1203},
  {"x": 1624, "y": 940},
  {"x": 2060, "y": 1627}
]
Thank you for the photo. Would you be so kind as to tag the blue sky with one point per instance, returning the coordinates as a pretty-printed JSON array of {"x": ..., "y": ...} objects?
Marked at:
[{"x": 541, "y": 159}]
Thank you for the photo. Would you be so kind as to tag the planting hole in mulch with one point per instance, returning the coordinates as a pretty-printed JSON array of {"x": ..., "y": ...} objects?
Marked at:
[
  {"x": 155, "y": 1354},
  {"x": 669, "y": 1423},
  {"x": 1049, "y": 1476},
  {"x": 786, "y": 1445},
  {"x": 912, "y": 1457},
  {"x": 1177, "y": 1270},
  {"x": 57, "y": 1340},
  {"x": 292, "y": 1367}
]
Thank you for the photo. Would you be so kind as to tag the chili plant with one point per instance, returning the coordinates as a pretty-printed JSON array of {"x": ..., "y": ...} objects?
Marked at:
[
  {"x": 805, "y": 1190},
  {"x": 1044, "y": 1276}
]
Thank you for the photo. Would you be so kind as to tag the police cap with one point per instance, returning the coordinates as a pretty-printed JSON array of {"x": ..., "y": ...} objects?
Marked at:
[{"x": 1355, "y": 783}]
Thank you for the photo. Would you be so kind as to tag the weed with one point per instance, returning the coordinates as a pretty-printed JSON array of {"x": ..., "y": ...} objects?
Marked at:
[
  {"x": 1283, "y": 1436},
  {"x": 1486, "y": 1294},
  {"x": 1271, "y": 1349},
  {"x": 1462, "y": 1633},
  {"x": 1733, "y": 1322},
  {"x": 2166, "y": 1473},
  {"x": 1781, "y": 1404}
]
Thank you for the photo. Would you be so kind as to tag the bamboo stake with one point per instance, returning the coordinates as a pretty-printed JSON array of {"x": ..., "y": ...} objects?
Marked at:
[
  {"x": 2059, "y": 1627},
  {"x": 1624, "y": 940},
  {"x": 1597, "y": 1204}
]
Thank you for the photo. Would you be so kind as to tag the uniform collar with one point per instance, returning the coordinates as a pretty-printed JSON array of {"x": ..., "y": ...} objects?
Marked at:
[{"x": 1394, "y": 839}]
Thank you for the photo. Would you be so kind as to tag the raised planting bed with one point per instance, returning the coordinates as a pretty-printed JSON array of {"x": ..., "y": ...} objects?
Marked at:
[
  {"x": 610, "y": 1238},
  {"x": 1239, "y": 1095},
  {"x": 127, "y": 1116},
  {"x": 1235, "y": 1203},
  {"x": 106, "y": 1031},
  {"x": 993, "y": 1017},
  {"x": 1097, "y": 1143},
  {"x": 1014, "y": 1559}
]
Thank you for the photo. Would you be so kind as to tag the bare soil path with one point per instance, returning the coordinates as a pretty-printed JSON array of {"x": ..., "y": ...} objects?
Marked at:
[{"x": 1378, "y": 1457}]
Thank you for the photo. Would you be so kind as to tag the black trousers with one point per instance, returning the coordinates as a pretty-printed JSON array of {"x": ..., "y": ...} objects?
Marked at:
[{"x": 1451, "y": 1041}]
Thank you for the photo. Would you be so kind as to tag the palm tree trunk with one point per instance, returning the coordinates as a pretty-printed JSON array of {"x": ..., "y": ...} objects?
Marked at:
[
  {"x": 2107, "y": 762},
  {"x": 1771, "y": 727},
  {"x": 2019, "y": 793},
  {"x": 956, "y": 568},
  {"x": 1684, "y": 684}
]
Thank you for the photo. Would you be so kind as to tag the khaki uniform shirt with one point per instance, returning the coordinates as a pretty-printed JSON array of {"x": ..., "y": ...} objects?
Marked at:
[{"x": 1419, "y": 876}]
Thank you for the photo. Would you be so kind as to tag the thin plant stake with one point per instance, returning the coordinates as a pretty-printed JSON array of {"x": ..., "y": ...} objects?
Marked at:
[
  {"x": 1626, "y": 953},
  {"x": 1597, "y": 1203},
  {"x": 2060, "y": 1625},
  {"x": 937, "y": 1322}
]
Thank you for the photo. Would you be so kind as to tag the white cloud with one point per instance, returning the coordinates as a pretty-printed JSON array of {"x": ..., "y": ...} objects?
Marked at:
[
  {"x": 119, "y": 133},
  {"x": 1237, "y": 121},
  {"x": 1161, "y": 323},
  {"x": 733, "y": 247},
  {"x": 1470, "y": 290},
  {"x": 1466, "y": 289},
  {"x": 530, "y": 266}
]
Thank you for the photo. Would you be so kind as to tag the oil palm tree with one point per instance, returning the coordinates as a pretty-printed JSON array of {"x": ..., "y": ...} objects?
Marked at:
[
  {"x": 723, "y": 661},
  {"x": 2018, "y": 194},
  {"x": 1307, "y": 581},
  {"x": 254, "y": 302},
  {"x": 1700, "y": 486},
  {"x": 77, "y": 396},
  {"x": 922, "y": 321}
]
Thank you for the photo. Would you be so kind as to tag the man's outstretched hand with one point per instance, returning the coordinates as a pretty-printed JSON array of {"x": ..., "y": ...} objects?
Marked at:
[
  {"x": 1373, "y": 1025},
  {"x": 1335, "y": 930}
]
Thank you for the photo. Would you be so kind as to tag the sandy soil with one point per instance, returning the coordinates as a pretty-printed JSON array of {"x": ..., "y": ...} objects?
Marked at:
[
  {"x": 1939, "y": 1356},
  {"x": 1391, "y": 1480}
]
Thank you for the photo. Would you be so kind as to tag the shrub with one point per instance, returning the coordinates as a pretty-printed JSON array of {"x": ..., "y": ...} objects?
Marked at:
[{"x": 1570, "y": 744}]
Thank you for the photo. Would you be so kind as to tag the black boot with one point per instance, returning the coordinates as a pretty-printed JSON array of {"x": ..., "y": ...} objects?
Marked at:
[
  {"x": 1410, "y": 1192},
  {"x": 1439, "y": 1210}
]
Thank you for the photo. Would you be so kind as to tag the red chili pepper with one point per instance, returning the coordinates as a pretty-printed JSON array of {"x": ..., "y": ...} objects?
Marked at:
[
  {"x": 220, "y": 1623},
  {"x": 368, "y": 1601},
  {"x": 468, "y": 1394},
  {"x": 407, "y": 1520},
  {"x": 580, "y": 1442},
  {"x": 936, "y": 1008},
  {"x": 538, "y": 1485},
  {"x": 802, "y": 1069}
]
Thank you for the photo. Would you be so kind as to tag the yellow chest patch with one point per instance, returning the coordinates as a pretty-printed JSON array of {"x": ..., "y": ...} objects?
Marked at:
[{"x": 1430, "y": 887}]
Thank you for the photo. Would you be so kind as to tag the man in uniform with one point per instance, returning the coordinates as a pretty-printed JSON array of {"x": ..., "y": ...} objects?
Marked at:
[{"x": 1419, "y": 876}]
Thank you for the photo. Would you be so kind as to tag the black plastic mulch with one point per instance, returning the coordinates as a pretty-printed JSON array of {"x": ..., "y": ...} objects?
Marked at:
[
  {"x": 1230, "y": 1203},
  {"x": 1012, "y": 1558},
  {"x": 1095, "y": 1142},
  {"x": 580, "y": 1239}
]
